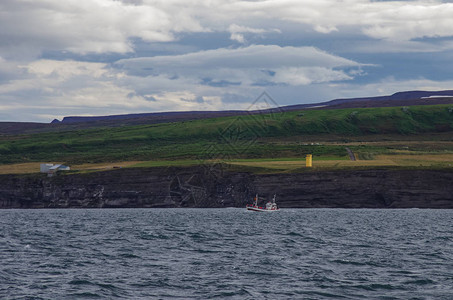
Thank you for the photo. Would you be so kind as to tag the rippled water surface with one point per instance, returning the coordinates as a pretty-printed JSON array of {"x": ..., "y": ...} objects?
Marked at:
[{"x": 226, "y": 254}]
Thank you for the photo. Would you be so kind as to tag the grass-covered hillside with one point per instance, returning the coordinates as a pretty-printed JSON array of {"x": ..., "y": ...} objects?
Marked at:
[{"x": 287, "y": 134}]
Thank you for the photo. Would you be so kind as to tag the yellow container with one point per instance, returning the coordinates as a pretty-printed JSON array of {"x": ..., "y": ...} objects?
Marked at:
[{"x": 309, "y": 160}]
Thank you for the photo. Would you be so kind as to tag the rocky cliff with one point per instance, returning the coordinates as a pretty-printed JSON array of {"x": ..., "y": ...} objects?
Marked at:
[{"x": 202, "y": 187}]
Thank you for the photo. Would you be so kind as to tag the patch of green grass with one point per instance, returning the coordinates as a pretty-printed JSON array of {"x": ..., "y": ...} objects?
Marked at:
[
  {"x": 166, "y": 163},
  {"x": 290, "y": 159}
]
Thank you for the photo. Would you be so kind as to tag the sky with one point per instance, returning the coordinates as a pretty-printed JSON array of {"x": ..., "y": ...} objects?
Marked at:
[{"x": 103, "y": 57}]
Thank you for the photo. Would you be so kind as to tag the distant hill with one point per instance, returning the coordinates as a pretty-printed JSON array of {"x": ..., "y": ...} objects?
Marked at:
[
  {"x": 398, "y": 99},
  {"x": 407, "y": 98},
  {"x": 160, "y": 117},
  {"x": 275, "y": 135}
]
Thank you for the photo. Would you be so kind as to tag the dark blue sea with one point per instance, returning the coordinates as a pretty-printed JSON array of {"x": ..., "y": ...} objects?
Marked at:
[{"x": 226, "y": 254}]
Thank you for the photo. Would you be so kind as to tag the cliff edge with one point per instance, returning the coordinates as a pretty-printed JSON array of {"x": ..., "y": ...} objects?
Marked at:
[{"x": 201, "y": 187}]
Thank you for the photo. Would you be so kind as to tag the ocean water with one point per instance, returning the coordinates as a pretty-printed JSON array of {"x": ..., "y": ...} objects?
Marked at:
[{"x": 226, "y": 254}]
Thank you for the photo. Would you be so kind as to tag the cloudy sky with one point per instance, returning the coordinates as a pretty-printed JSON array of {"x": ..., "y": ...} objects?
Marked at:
[{"x": 100, "y": 57}]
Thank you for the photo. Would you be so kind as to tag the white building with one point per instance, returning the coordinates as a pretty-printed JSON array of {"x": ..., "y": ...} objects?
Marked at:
[{"x": 45, "y": 168}]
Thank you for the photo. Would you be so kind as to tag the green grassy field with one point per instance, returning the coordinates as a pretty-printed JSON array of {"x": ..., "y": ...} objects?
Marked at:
[
  {"x": 265, "y": 165},
  {"x": 368, "y": 132}
]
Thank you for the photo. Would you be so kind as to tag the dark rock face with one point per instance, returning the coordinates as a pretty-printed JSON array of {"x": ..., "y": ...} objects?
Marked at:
[{"x": 199, "y": 187}]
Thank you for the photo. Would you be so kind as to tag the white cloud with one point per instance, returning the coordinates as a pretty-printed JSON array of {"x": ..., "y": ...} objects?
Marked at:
[
  {"x": 394, "y": 20},
  {"x": 58, "y": 86},
  {"x": 237, "y": 37},
  {"x": 305, "y": 76},
  {"x": 246, "y": 66},
  {"x": 64, "y": 69},
  {"x": 237, "y": 32},
  {"x": 409, "y": 20},
  {"x": 388, "y": 86},
  {"x": 99, "y": 26}
]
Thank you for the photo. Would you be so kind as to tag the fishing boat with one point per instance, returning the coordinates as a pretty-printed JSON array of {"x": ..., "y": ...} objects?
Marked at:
[{"x": 270, "y": 206}]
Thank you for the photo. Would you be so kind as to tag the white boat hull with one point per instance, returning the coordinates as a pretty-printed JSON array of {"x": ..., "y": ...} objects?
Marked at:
[{"x": 254, "y": 208}]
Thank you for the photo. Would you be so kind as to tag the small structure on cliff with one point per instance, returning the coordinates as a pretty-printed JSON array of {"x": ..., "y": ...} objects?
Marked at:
[{"x": 52, "y": 169}]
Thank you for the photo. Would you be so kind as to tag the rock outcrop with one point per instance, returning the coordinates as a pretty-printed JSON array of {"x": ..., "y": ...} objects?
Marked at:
[{"x": 201, "y": 187}]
